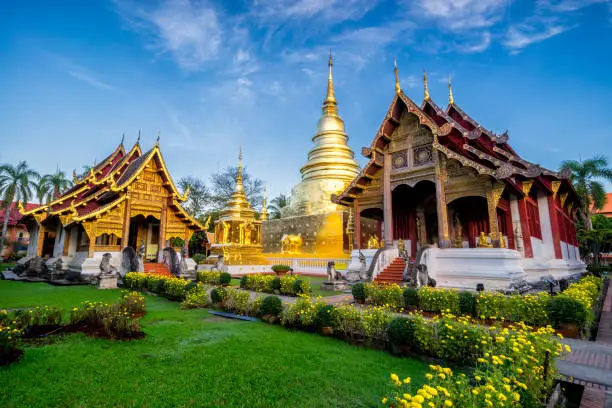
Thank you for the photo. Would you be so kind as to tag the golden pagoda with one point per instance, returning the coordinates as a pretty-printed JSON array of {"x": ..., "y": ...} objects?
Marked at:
[
  {"x": 237, "y": 232},
  {"x": 311, "y": 217}
]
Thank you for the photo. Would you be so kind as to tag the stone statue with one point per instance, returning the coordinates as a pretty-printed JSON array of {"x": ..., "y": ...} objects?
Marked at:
[
  {"x": 373, "y": 242},
  {"x": 332, "y": 273},
  {"x": 183, "y": 268},
  {"x": 35, "y": 267},
  {"x": 129, "y": 261},
  {"x": 362, "y": 260},
  {"x": 458, "y": 232},
  {"x": 220, "y": 264},
  {"x": 105, "y": 266},
  {"x": 422, "y": 277},
  {"x": 170, "y": 259},
  {"x": 483, "y": 241}
]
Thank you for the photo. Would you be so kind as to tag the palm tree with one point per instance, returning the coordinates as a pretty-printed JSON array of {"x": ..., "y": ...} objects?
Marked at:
[
  {"x": 56, "y": 184},
  {"x": 16, "y": 183},
  {"x": 586, "y": 177},
  {"x": 42, "y": 191},
  {"x": 277, "y": 204}
]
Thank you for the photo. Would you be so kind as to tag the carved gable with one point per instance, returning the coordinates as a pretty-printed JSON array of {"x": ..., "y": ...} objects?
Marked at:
[{"x": 411, "y": 144}]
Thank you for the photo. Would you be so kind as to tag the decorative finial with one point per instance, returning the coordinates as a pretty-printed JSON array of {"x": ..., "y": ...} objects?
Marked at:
[
  {"x": 74, "y": 175},
  {"x": 138, "y": 140},
  {"x": 122, "y": 138},
  {"x": 158, "y": 136},
  {"x": 330, "y": 104},
  {"x": 239, "y": 175},
  {"x": 425, "y": 85},
  {"x": 398, "y": 89},
  {"x": 264, "y": 209},
  {"x": 450, "y": 92}
]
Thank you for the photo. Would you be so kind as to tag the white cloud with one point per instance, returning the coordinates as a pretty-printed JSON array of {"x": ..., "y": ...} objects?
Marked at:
[
  {"x": 569, "y": 5},
  {"x": 90, "y": 79},
  {"x": 460, "y": 15},
  {"x": 521, "y": 36},
  {"x": 191, "y": 32},
  {"x": 480, "y": 46},
  {"x": 328, "y": 10}
]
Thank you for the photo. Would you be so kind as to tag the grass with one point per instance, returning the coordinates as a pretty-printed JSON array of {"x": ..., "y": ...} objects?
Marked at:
[
  {"x": 4, "y": 266},
  {"x": 190, "y": 359}
]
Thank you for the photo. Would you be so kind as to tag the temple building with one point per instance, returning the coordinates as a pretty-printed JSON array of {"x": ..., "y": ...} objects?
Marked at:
[
  {"x": 311, "y": 218},
  {"x": 127, "y": 200},
  {"x": 237, "y": 232},
  {"x": 436, "y": 177}
]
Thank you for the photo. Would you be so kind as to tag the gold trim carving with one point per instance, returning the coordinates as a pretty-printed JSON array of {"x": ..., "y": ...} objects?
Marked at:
[
  {"x": 497, "y": 191},
  {"x": 562, "y": 198},
  {"x": 555, "y": 188},
  {"x": 527, "y": 184}
]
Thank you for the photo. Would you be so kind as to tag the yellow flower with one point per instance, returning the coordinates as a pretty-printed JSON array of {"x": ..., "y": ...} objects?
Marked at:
[
  {"x": 384, "y": 401},
  {"x": 407, "y": 380},
  {"x": 394, "y": 377},
  {"x": 419, "y": 399},
  {"x": 428, "y": 376},
  {"x": 475, "y": 392},
  {"x": 448, "y": 403}
]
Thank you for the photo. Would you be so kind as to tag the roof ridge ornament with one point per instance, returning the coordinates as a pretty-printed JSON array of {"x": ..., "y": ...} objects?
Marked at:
[
  {"x": 426, "y": 87},
  {"x": 158, "y": 136},
  {"x": 398, "y": 89},
  {"x": 122, "y": 138},
  {"x": 451, "y": 100},
  {"x": 138, "y": 140}
]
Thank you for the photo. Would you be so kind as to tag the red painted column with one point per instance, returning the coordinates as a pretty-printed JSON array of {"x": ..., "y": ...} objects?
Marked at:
[
  {"x": 522, "y": 205},
  {"x": 412, "y": 233},
  {"x": 554, "y": 225},
  {"x": 357, "y": 224},
  {"x": 387, "y": 201}
]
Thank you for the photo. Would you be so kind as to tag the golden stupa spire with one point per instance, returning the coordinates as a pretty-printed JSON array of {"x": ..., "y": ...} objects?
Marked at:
[
  {"x": 425, "y": 85},
  {"x": 398, "y": 89},
  {"x": 450, "y": 92},
  {"x": 239, "y": 174},
  {"x": 330, "y": 105}
]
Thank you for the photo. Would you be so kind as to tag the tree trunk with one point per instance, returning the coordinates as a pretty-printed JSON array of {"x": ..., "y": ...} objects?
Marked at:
[{"x": 7, "y": 214}]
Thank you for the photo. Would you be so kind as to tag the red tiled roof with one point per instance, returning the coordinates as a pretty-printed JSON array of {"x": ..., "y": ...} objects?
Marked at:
[
  {"x": 607, "y": 208},
  {"x": 15, "y": 216}
]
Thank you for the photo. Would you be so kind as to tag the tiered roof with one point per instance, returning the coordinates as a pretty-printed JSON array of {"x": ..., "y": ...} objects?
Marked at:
[
  {"x": 459, "y": 137},
  {"x": 102, "y": 188}
]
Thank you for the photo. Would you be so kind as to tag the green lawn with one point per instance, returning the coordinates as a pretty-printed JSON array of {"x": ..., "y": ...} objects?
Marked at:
[
  {"x": 190, "y": 359},
  {"x": 4, "y": 266}
]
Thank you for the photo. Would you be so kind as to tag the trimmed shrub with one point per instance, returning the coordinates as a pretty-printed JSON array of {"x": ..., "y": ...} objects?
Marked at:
[
  {"x": 358, "y": 291},
  {"x": 225, "y": 278},
  {"x": 411, "y": 297},
  {"x": 287, "y": 287},
  {"x": 275, "y": 284},
  {"x": 324, "y": 316},
  {"x": 209, "y": 277},
  {"x": 401, "y": 331},
  {"x": 199, "y": 258},
  {"x": 197, "y": 297},
  {"x": 467, "y": 303},
  {"x": 563, "y": 309},
  {"x": 385, "y": 295},
  {"x": 243, "y": 281},
  {"x": 216, "y": 295},
  {"x": 190, "y": 286},
  {"x": 438, "y": 300},
  {"x": 271, "y": 306},
  {"x": 301, "y": 287}
]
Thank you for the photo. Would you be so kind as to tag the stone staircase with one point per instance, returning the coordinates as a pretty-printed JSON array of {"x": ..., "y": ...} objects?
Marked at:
[
  {"x": 156, "y": 269},
  {"x": 392, "y": 273}
]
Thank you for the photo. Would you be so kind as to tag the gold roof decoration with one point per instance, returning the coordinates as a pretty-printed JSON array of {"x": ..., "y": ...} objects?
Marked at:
[
  {"x": 398, "y": 89},
  {"x": 451, "y": 100},
  {"x": 425, "y": 86}
]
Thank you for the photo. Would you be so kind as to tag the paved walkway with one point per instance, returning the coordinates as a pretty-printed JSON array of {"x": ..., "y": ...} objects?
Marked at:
[{"x": 590, "y": 363}]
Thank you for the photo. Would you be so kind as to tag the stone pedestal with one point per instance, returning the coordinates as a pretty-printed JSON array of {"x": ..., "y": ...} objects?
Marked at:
[
  {"x": 335, "y": 286},
  {"x": 107, "y": 282}
]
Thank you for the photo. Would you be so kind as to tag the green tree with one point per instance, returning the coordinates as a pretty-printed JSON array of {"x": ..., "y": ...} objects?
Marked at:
[
  {"x": 16, "y": 183},
  {"x": 199, "y": 196},
  {"x": 56, "y": 184},
  {"x": 597, "y": 240},
  {"x": 587, "y": 177},
  {"x": 276, "y": 204},
  {"x": 223, "y": 183},
  {"x": 42, "y": 192}
]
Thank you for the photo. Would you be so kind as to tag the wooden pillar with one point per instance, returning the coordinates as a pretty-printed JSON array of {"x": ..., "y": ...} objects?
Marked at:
[
  {"x": 161, "y": 242},
  {"x": 90, "y": 230},
  {"x": 412, "y": 232},
  {"x": 40, "y": 240},
  {"x": 387, "y": 201},
  {"x": 522, "y": 206},
  {"x": 494, "y": 192},
  {"x": 127, "y": 216},
  {"x": 442, "y": 209},
  {"x": 357, "y": 224},
  {"x": 554, "y": 226}
]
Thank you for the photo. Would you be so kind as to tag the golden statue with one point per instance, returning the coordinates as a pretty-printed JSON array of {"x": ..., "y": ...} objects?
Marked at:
[
  {"x": 483, "y": 241},
  {"x": 502, "y": 239},
  {"x": 373, "y": 242},
  {"x": 291, "y": 244},
  {"x": 458, "y": 232}
]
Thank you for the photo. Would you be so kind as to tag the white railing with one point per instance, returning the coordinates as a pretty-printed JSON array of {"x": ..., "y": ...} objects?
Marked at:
[
  {"x": 384, "y": 259},
  {"x": 311, "y": 265}
]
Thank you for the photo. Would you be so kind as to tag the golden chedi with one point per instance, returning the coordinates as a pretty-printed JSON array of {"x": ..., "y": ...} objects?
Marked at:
[
  {"x": 237, "y": 232},
  {"x": 311, "y": 215}
]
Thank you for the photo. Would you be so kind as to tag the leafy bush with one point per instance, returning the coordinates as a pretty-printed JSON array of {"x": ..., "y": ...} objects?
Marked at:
[
  {"x": 280, "y": 268},
  {"x": 236, "y": 301},
  {"x": 135, "y": 280},
  {"x": 411, "y": 297},
  {"x": 225, "y": 278},
  {"x": 530, "y": 309},
  {"x": 209, "y": 277},
  {"x": 564, "y": 309},
  {"x": 9, "y": 339},
  {"x": 375, "y": 321},
  {"x": 174, "y": 288},
  {"x": 258, "y": 282},
  {"x": 199, "y": 258},
  {"x": 275, "y": 284},
  {"x": 301, "y": 287},
  {"x": 467, "y": 303},
  {"x": 388, "y": 295},
  {"x": 190, "y": 286},
  {"x": 26, "y": 319},
  {"x": 271, "y": 306},
  {"x": 348, "y": 321},
  {"x": 324, "y": 317},
  {"x": 243, "y": 281},
  {"x": 114, "y": 320},
  {"x": 216, "y": 295},
  {"x": 401, "y": 331},
  {"x": 197, "y": 297},
  {"x": 358, "y": 291},
  {"x": 287, "y": 283},
  {"x": 438, "y": 300},
  {"x": 133, "y": 302}
]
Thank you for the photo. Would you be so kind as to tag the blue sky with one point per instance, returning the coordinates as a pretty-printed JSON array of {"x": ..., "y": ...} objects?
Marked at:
[{"x": 211, "y": 75}]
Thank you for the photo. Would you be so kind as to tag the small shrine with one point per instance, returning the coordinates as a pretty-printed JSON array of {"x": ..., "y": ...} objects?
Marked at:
[{"x": 237, "y": 232}]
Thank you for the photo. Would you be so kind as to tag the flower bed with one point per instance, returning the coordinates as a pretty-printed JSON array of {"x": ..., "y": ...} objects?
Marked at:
[
  {"x": 573, "y": 306},
  {"x": 290, "y": 285},
  {"x": 214, "y": 278}
]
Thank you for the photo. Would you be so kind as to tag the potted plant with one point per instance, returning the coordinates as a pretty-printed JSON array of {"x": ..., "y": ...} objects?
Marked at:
[
  {"x": 280, "y": 270},
  {"x": 324, "y": 320}
]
